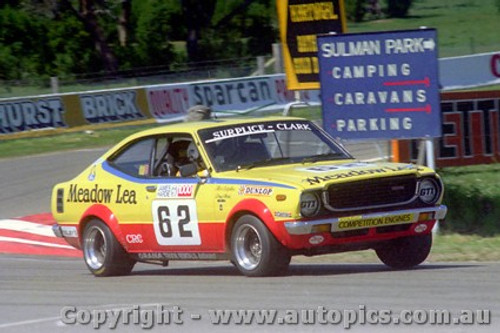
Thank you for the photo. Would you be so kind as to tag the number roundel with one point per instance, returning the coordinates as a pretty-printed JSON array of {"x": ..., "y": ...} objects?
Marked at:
[{"x": 175, "y": 222}]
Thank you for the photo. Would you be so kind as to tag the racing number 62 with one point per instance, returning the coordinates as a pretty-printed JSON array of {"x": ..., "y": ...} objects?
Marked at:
[
  {"x": 175, "y": 222},
  {"x": 166, "y": 223}
]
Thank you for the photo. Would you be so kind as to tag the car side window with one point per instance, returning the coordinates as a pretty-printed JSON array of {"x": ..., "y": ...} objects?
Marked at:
[
  {"x": 173, "y": 155},
  {"x": 135, "y": 159}
]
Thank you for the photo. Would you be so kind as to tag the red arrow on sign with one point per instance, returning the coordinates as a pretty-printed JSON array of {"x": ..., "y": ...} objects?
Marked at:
[
  {"x": 427, "y": 109},
  {"x": 425, "y": 81}
]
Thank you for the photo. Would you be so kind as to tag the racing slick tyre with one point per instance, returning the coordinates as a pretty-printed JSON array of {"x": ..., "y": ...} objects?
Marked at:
[
  {"x": 255, "y": 251},
  {"x": 406, "y": 252},
  {"x": 102, "y": 253}
]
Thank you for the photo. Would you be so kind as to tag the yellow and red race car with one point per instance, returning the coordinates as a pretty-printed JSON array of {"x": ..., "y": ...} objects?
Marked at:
[{"x": 254, "y": 191}]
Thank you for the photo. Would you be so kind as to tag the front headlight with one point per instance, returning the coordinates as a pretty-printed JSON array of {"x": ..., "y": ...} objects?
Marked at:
[
  {"x": 309, "y": 204},
  {"x": 429, "y": 190}
]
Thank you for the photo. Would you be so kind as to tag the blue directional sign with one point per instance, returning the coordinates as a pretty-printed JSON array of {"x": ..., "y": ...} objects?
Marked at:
[{"x": 380, "y": 85}]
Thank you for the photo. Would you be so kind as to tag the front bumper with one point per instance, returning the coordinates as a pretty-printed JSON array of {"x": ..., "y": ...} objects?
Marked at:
[
  {"x": 56, "y": 229},
  {"x": 363, "y": 221},
  {"x": 65, "y": 231}
]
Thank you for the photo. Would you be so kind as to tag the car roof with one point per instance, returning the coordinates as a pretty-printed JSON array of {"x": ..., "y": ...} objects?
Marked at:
[{"x": 191, "y": 127}]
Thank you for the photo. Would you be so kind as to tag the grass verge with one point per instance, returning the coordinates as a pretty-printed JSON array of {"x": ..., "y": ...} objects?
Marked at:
[
  {"x": 29, "y": 143},
  {"x": 78, "y": 139}
]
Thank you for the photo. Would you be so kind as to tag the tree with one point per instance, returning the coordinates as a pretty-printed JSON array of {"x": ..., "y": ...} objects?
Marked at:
[
  {"x": 155, "y": 23},
  {"x": 123, "y": 21},
  {"x": 39, "y": 38},
  {"x": 87, "y": 14},
  {"x": 398, "y": 8},
  {"x": 197, "y": 16},
  {"x": 231, "y": 28},
  {"x": 22, "y": 43},
  {"x": 355, "y": 9}
]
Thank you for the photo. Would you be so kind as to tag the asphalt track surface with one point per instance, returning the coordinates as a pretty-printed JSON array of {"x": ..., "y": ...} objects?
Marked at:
[{"x": 34, "y": 290}]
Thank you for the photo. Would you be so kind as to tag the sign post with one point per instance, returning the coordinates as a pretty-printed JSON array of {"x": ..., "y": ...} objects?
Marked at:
[{"x": 381, "y": 85}]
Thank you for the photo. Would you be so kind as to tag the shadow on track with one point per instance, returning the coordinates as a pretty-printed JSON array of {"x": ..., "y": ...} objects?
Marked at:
[{"x": 294, "y": 269}]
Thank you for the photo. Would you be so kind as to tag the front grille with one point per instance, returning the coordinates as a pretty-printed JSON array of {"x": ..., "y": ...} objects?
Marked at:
[{"x": 372, "y": 193}]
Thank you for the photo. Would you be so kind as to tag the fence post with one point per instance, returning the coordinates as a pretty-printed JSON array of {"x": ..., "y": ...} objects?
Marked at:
[
  {"x": 54, "y": 84},
  {"x": 278, "y": 63},
  {"x": 261, "y": 65}
]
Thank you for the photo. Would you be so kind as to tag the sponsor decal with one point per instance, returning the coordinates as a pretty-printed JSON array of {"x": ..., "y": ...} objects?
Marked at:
[
  {"x": 237, "y": 131},
  {"x": 334, "y": 167},
  {"x": 282, "y": 214},
  {"x": 221, "y": 203},
  {"x": 69, "y": 231},
  {"x": 134, "y": 238},
  {"x": 97, "y": 194},
  {"x": 355, "y": 173},
  {"x": 315, "y": 240},
  {"x": 175, "y": 191},
  {"x": 255, "y": 190},
  {"x": 27, "y": 114},
  {"x": 232, "y": 93},
  {"x": 143, "y": 170},
  {"x": 110, "y": 107},
  {"x": 177, "y": 256},
  {"x": 428, "y": 191},
  {"x": 358, "y": 222},
  {"x": 167, "y": 102},
  {"x": 225, "y": 188}
]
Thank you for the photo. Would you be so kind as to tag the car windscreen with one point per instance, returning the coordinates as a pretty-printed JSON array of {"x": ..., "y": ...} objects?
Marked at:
[{"x": 251, "y": 145}]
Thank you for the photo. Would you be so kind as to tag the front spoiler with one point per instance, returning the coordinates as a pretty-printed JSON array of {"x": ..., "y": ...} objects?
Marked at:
[
  {"x": 367, "y": 220},
  {"x": 56, "y": 229},
  {"x": 65, "y": 231}
]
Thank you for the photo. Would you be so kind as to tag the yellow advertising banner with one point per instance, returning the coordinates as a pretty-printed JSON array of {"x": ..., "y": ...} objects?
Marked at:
[{"x": 300, "y": 21}]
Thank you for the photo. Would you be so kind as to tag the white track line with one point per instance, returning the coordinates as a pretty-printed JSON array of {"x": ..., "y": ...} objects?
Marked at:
[
  {"x": 30, "y": 227},
  {"x": 26, "y": 241},
  {"x": 58, "y": 322},
  {"x": 28, "y": 322}
]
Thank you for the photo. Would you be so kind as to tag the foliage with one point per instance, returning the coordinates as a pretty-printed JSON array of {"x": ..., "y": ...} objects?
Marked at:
[
  {"x": 66, "y": 37},
  {"x": 71, "y": 47},
  {"x": 230, "y": 29},
  {"x": 398, "y": 8},
  {"x": 475, "y": 199},
  {"x": 355, "y": 10},
  {"x": 153, "y": 31},
  {"x": 22, "y": 43}
]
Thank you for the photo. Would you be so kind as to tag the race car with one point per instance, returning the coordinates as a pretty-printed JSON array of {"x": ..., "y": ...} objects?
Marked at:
[{"x": 254, "y": 191}]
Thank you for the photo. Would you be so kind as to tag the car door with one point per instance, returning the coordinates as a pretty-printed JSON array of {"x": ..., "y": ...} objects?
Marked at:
[
  {"x": 133, "y": 191},
  {"x": 181, "y": 209}
]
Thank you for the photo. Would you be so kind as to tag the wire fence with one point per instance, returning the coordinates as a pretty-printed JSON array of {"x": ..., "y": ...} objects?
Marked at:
[{"x": 174, "y": 73}]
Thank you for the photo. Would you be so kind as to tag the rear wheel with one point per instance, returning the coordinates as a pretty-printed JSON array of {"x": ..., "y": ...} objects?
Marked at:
[
  {"x": 406, "y": 252},
  {"x": 255, "y": 251},
  {"x": 102, "y": 253}
]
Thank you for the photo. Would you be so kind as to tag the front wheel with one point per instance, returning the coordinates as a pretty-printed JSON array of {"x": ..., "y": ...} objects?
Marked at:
[
  {"x": 255, "y": 251},
  {"x": 103, "y": 255},
  {"x": 406, "y": 252}
]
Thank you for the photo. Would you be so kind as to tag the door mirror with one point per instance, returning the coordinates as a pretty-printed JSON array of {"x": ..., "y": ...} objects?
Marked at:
[{"x": 188, "y": 170}]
